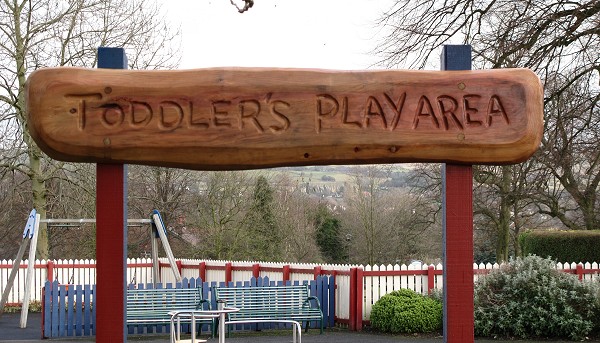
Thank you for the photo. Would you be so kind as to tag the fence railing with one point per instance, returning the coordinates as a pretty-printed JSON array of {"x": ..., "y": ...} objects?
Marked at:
[{"x": 357, "y": 287}]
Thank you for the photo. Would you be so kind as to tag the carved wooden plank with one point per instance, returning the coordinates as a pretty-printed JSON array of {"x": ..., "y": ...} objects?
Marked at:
[{"x": 241, "y": 118}]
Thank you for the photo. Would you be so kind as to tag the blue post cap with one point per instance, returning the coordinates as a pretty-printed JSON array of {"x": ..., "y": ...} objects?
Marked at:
[
  {"x": 456, "y": 57},
  {"x": 112, "y": 58}
]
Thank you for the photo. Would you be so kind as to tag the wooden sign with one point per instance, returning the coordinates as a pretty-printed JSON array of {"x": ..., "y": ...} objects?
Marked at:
[{"x": 243, "y": 118}]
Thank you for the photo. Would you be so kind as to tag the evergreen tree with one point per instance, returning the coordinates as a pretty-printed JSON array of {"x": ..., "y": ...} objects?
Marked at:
[
  {"x": 329, "y": 238},
  {"x": 266, "y": 238}
]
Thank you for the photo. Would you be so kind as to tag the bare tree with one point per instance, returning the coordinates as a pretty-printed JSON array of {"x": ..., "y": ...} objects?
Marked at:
[
  {"x": 570, "y": 154},
  {"x": 504, "y": 205},
  {"x": 219, "y": 218},
  {"x": 385, "y": 224},
  {"x": 559, "y": 41},
  {"x": 37, "y": 33},
  {"x": 294, "y": 212},
  {"x": 169, "y": 190},
  {"x": 15, "y": 207}
]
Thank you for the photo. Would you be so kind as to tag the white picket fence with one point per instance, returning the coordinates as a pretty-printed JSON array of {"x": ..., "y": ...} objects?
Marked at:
[
  {"x": 377, "y": 280},
  {"x": 377, "y": 286},
  {"x": 80, "y": 272}
]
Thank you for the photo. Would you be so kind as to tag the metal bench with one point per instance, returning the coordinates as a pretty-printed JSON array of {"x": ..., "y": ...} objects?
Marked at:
[
  {"x": 277, "y": 303},
  {"x": 152, "y": 306}
]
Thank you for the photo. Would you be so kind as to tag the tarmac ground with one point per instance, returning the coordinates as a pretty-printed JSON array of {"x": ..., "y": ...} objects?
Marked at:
[{"x": 11, "y": 332}]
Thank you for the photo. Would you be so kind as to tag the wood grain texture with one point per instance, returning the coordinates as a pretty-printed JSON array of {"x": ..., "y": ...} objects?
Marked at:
[{"x": 244, "y": 118}]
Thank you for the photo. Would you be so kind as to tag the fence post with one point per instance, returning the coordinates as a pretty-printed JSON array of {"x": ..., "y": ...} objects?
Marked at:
[
  {"x": 228, "y": 272},
  {"x": 256, "y": 270},
  {"x": 179, "y": 266},
  {"x": 359, "y": 298},
  {"x": 50, "y": 270},
  {"x": 202, "y": 270},
  {"x": 317, "y": 272},
  {"x": 352, "y": 302},
  {"x": 579, "y": 271},
  {"x": 286, "y": 273},
  {"x": 430, "y": 279}
]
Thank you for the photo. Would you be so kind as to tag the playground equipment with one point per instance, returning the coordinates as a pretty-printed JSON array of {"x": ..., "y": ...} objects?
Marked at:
[
  {"x": 158, "y": 233},
  {"x": 30, "y": 234}
]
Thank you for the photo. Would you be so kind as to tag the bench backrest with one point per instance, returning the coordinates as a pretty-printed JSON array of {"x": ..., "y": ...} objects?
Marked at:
[
  {"x": 263, "y": 297},
  {"x": 163, "y": 299}
]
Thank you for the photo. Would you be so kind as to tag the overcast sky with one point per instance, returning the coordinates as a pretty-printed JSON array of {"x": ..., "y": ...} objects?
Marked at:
[{"x": 331, "y": 34}]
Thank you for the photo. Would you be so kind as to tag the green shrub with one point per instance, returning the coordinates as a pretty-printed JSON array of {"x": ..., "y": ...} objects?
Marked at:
[
  {"x": 405, "y": 311},
  {"x": 529, "y": 298}
]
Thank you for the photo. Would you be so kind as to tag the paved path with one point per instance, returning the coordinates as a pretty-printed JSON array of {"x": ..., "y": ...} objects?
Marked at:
[{"x": 10, "y": 332}]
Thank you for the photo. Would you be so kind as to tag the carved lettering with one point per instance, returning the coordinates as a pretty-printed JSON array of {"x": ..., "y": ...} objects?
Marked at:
[
  {"x": 220, "y": 117},
  {"x": 345, "y": 111},
  {"x": 495, "y": 108},
  {"x": 396, "y": 107},
  {"x": 112, "y": 115},
  {"x": 80, "y": 112},
  {"x": 279, "y": 116},
  {"x": 171, "y": 115},
  {"x": 249, "y": 111},
  {"x": 374, "y": 111},
  {"x": 193, "y": 122},
  {"x": 425, "y": 110},
  {"x": 273, "y": 115},
  {"x": 469, "y": 111},
  {"x": 327, "y": 106},
  {"x": 143, "y": 110},
  {"x": 448, "y": 106}
]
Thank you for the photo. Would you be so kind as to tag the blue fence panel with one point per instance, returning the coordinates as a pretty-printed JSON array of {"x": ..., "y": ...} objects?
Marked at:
[
  {"x": 47, "y": 308},
  {"x": 69, "y": 309},
  {"x": 62, "y": 291},
  {"x": 54, "y": 304},
  {"x": 78, "y": 310},
  {"x": 93, "y": 309},
  {"x": 87, "y": 318}
]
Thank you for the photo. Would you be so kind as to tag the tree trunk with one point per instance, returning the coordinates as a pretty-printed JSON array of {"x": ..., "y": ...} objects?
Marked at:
[
  {"x": 503, "y": 240},
  {"x": 38, "y": 186}
]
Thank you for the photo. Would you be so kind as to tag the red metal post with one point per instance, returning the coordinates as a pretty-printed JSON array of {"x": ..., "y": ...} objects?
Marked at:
[
  {"x": 457, "y": 188},
  {"x": 50, "y": 271},
  {"x": 458, "y": 259},
  {"x": 317, "y": 272},
  {"x": 111, "y": 233},
  {"x": 580, "y": 271},
  {"x": 352, "y": 312},
  {"x": 111, "y": 252},
  {"x": 179, "y": 266},
  {"x": 256, "y": 270},
  {"x": 359, "y": 298},
  {"x": 228, "y": 272},
  {"x": 286, "y": 273},
  {"x": 202, "y": 270},
  {"x": 430, "y": 279}
]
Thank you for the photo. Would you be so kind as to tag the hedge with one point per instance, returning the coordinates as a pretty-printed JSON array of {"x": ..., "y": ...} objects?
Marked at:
[{"x": 564, "y": 246}]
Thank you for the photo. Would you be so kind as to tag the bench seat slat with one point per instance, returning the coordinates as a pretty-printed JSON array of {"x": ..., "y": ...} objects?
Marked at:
[
  {"x": 271, "y": 303},
  {"x": 151, "y": 306}
]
